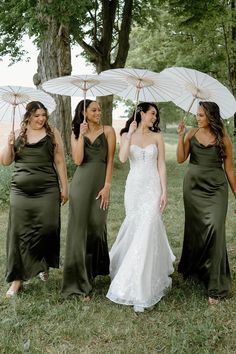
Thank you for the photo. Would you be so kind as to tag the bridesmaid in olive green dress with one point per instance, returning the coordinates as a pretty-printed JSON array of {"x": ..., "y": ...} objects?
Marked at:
[
  {"x": 33, "y": 237},
  {"x": 93, "y": 148},
  {"x": 204, "y": 254}
]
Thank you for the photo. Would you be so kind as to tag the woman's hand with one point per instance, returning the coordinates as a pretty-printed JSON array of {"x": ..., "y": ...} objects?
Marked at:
[
  {"x": 132, "y": 127},
  {"x": 181, "y": 128},
  {"x": 104, "y": 195},
  {"x": 83, "y": 128},
  {"x": 11, "y": 139},
  {"x": 163, "y": 202},
  {"x": 64, "y": 196}
]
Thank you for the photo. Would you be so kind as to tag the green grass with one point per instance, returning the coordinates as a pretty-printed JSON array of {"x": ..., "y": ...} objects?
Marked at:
[{"x": 39, "y": 321}]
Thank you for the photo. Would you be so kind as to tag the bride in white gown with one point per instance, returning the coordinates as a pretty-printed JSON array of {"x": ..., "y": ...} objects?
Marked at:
[{"x": 141, "y": 259}]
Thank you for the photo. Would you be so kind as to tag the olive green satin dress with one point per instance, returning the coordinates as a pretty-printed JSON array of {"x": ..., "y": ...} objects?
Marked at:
[
  {"x": 33, "y": 237},
  {"x": 86, "y": 247},
  {"x": 204, "y": 254}
]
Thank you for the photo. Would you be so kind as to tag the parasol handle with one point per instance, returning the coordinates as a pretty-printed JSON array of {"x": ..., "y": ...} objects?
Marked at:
[
  {"x": 190, "y": 106},
  {"x": 85, "y": 91},
  {"x": 137, "y": 101},
  {"x": 13, "y": 115}
]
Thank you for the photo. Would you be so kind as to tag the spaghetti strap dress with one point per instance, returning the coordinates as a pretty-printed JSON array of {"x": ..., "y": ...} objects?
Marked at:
[
  {"x": 205, "y": 190},
  {"x": 33, "y": 236},
  {"x": 86, "y": 247}
]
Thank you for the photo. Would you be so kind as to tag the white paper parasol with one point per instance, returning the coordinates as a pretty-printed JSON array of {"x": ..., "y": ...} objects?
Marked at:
[
  {"x": 144, "y": 85},
  {"x": 15, "y": 99},
  {"x": 198, "y": 86},
  {"x": 78, "y": 85}
]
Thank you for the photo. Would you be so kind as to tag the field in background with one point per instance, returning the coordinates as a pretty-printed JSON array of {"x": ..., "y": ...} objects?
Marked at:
[{"x": 38, "y": 321}]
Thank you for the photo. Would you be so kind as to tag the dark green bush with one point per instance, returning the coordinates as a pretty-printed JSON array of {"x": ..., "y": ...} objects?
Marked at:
[
  {"x": 5, "y": 182},
  {"x": 71, "y": 167}
]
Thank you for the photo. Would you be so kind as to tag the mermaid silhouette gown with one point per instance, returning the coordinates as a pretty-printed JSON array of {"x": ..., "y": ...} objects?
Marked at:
[
  {"x": 141, "y": 259},
  {"x": 205, "y": 188},
  {"x": 33, "y": 236},
  {"x": 86, "y": 247}
]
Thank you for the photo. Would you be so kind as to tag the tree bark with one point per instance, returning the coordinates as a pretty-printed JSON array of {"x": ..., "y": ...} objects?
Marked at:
[
  {"x": 54, "y": 60},
  {"x": 101, "y": 53},
  {"x": 106, "y": 108}
]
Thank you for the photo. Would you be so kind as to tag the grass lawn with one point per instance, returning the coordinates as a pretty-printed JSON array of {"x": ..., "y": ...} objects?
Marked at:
[{"x": 39, "y": 321}]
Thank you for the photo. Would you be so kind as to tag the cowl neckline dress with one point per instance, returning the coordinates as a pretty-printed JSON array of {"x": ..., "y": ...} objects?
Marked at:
[
  {"x": 205, "y": 191},
  {"x": 33, "y": 236},
  {"x": 86, "y": 246}
]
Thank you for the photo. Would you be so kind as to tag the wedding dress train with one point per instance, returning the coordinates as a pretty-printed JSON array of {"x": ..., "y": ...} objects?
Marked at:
[{"x": 141, "y": 259}]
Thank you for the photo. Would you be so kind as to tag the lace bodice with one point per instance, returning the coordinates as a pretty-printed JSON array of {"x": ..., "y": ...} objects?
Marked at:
[
  {"x": 143, "y": 158},
  {"x": 143, "y": 187}
]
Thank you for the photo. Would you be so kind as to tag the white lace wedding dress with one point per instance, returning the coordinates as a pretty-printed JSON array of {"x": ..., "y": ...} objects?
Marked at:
[{"x": 141, "y": 259}]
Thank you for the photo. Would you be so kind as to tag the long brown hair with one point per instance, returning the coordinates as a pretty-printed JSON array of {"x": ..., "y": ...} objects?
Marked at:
[
  {"x": 31, "y": 108},
  {"x": 216, "y": 124}
]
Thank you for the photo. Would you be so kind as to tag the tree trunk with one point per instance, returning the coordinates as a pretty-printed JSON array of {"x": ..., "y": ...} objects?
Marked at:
[
  {"x": 102, "y": 54},
  {"x": 106, "y": 107},
  {"x": 54, "y": 60}
]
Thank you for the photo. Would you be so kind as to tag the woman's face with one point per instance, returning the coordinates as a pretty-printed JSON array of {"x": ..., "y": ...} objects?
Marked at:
[
  {"x": 38, "y": 119},
  {"x": 149, "y": 117},
  {"x": 93, "y": 113},
  {"x": 202, "y": 120}
]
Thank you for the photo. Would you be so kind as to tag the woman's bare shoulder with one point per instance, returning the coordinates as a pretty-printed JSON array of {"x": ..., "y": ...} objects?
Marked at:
[
  {"x": 191, "y": 133},
  {"x": 108, "y": 128}
]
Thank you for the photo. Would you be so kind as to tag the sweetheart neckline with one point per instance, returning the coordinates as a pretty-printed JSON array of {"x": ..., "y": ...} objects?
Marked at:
[{"x": 143, "y": 148}]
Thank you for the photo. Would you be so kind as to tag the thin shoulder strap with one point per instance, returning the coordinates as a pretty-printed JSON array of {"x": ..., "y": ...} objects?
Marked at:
[{"x": 194, "y": 134}]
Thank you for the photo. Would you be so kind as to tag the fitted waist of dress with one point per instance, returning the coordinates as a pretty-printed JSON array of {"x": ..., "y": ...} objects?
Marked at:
[
  {"x": 33, "y": 163},
  {"x": 206, "y": 165},
  {"x": 94, "y": 162}
]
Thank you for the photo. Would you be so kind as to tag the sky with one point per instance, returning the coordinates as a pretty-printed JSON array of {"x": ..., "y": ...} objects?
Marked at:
[{"x": 21, "y": 73}]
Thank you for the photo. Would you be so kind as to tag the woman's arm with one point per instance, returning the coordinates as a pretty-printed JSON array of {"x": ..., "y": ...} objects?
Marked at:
[
  {"x": 125, "y": 142},
  {"x": 161, "y": 166},
  {"x": 8, "y": 153},
  {"x": 59, "y": 160},
  {"x": 229, "y": 164},
  {"x": 183, "y": 143},
  {"x": 77, "y": 145},
  {"x": 104, "y": 193}
]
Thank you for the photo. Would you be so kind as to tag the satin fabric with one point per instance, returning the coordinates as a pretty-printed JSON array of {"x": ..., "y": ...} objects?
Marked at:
[
  {"x": 205, "y": 189},
  {"x": 86, "y": 246},
  {"x": 33, "y": 236}
]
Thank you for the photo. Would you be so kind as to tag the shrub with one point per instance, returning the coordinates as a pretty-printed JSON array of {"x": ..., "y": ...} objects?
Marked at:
[{"x": 5, "y": 182}]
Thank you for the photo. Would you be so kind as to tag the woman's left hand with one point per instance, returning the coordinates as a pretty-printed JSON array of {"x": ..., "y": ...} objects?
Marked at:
[
  {"x": 104, "y": 195},
  {"x": 163, "y": 202},
  {"x": 64, "y": 197}
]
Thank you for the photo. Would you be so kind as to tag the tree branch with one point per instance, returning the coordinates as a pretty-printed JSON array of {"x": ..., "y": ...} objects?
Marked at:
[{"x": 125, "y": 29}]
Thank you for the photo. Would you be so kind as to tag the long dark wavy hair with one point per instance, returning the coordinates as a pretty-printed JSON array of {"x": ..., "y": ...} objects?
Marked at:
[
  {"x": 31, "y": 108},
  {"x": 79, "y": 116},
  {"x": 216, "y": 124},
  {"x": 143, "y": 107}
]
